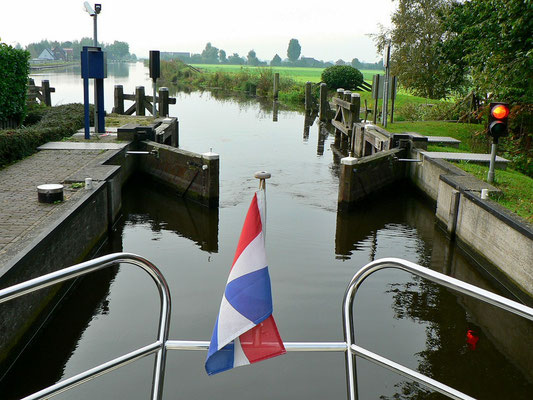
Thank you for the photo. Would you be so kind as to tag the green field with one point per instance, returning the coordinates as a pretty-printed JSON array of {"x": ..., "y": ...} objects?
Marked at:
[{"x": 299, "y": 74}]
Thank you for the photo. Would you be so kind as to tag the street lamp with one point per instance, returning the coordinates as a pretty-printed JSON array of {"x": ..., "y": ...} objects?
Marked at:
[{"x": 93, "y": 12}]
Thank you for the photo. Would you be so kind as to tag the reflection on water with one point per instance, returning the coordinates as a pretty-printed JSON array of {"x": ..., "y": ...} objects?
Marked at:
[{"x": 312, "y": 251}]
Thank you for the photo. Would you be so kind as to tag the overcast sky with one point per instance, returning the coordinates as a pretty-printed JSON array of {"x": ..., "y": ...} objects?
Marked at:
[{"x": 326, "y": 30}]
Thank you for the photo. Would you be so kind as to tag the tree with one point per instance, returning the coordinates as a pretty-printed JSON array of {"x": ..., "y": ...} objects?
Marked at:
[
  {"x": 356, "y": 63},
  {"x": 342, "y": 76},
  {"x": 276, "y": 61},
  {"x": 294, "y": 50},
  {"x": 222, "y": 56},
  {"x": 492, "y": 41},
  {"x": 416, "y": 59},
  {"x": 210, "y": 54},
  {"x": 235, "y": 59},
  {"x": 252, "y": 58}
]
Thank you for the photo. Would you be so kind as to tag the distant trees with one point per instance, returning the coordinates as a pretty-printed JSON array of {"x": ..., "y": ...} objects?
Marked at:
[
  {"x": 210, "y": 54},
  {"x": 119, "y": 51},
  {"x": 222, "y": 56},
  {"x": 235, "y": 59},
  {"x": 294, "y": 50},
  {"x": 416, "y": 58},
  {"x": 252, "y": 58},
  {"x": 276, "y": 61}
]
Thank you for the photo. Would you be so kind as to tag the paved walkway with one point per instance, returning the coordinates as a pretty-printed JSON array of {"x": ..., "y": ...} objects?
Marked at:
[{"x": 22, "y": 217}]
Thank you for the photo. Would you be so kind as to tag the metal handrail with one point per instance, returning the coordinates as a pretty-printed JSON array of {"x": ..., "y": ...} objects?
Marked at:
[
  {"x": 162, "y": 344},
  {"x": 157, "y": 347},
  {"x": 437, "y": 277}
]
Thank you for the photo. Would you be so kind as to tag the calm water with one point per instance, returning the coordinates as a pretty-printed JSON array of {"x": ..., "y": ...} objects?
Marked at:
[{"x": 312, "y": 250}]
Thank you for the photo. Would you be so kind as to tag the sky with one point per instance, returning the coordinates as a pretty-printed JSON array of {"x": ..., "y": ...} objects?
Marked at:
[{"x": 326, "y": 30}]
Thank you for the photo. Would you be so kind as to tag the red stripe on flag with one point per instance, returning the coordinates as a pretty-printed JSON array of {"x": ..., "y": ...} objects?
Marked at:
[
  {"x": 262, "y": 341},
  {"x": 252, "y": 227}
]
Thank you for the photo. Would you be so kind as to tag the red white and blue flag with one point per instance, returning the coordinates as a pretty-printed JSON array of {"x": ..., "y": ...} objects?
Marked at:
[{"x": 245, "y": 331}]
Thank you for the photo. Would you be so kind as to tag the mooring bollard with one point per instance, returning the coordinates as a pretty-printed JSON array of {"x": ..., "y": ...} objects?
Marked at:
[
  {"x": 139, "y": 100},
  {"x": 119, "y": 100}
]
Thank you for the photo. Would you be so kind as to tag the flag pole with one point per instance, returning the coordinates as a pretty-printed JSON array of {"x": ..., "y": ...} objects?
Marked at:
[{"x": 263, "y": 176}]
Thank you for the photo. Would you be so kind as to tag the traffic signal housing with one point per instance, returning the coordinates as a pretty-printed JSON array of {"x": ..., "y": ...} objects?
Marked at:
[{"x": 498, "y": 117}]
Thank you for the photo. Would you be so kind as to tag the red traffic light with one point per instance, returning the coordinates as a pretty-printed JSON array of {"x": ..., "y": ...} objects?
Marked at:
[
  {"x": 499, "y": 114},
  {"x": 500, "y": 111}
]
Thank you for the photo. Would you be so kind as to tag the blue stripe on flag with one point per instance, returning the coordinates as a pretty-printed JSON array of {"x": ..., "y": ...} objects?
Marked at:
[
  {"x": 251, "y": 296},
  {"x": 220, "y": 361}
]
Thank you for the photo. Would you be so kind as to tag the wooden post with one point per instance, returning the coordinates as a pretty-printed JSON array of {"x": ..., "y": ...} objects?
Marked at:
[
  {"x": 276, "y": 85},
  {"x": 323, "y": 106},
  {"x": 393, "y": 98},
  {"x": 139, "y": 100},
  {"x": 46, "y": 93},
  {"x": 355, "y": 99},
  {"x": 308, "y": 100},
  {"x": 375, "y": 94},
  {"x": 163, "y": 102},
  {"x": 119, "y": 100}
]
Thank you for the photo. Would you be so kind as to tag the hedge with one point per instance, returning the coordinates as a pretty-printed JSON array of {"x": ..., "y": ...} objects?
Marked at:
[
  {"x": 55, "y": 124},
  {"x": 14, "y": 70}
]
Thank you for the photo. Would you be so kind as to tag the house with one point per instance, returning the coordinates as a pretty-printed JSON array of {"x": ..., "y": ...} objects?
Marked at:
[
  {"x": 46, "y": 55},
  {"x": 59, "y": 54}
]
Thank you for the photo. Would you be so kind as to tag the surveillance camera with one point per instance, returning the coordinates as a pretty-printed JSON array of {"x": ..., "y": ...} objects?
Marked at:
[
  {"x": 98, "y": 8},
  {"x": 89, "y": 9}
]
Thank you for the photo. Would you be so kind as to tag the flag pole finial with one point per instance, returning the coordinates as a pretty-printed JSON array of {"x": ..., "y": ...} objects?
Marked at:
[{"x": 262, "y": 176}]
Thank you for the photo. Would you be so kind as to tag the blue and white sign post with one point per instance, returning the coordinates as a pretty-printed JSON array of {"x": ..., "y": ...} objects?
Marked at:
[{"x": 94, "y": 66}]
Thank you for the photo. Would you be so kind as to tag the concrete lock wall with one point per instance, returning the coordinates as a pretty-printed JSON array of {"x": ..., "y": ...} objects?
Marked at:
[
  {"x": 68, "y": 241},
  {"x": 487, "y": 231},
  {"x": 73, "y": 237},
  {"x": 193, "y": 175},
  {"x": 360, "y": 177}
]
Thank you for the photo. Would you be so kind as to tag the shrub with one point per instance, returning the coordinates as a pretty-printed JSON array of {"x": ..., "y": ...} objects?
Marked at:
[
  {"x": 14, "y": 69},
  {"x": 55, "y": 124},
  {"x": 342, "y": 76}
]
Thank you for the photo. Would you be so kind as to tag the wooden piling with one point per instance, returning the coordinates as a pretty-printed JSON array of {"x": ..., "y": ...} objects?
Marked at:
[
  {"x": 139, "y": 100},
  {"x": 276, "y": 85},
  {"x": 323, "y": 106},
  {"x": 163, "y": 102},
  {"x": 119, "y": 100},
  {"x": 375, "y": 93},
  {"x": 46, "y": 92},
  {"x": 308, "y": 98}
]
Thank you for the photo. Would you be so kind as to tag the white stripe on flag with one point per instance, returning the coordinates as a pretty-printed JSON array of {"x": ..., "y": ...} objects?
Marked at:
[
  {"x": 252, "y": 259},
  {"x": 239, "y": 358},
  {"x": 232, "y": 325}
]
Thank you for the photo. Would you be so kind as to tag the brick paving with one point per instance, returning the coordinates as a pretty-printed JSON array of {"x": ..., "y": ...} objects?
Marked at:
[{"x": 22, "y": 217}]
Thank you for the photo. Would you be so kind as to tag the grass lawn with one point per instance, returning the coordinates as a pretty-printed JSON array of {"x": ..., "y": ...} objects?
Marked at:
[
  {"x": 517, "y": 188},
  {"x": 299, "y": 74},
  {"x": 462, "y": 132}
]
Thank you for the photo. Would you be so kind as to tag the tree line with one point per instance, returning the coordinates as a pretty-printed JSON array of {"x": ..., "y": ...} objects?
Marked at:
[
  {"x": 445, "y": 48},
  {"x": 214, "y": 55},
  {"x": 116, "y": 51}
]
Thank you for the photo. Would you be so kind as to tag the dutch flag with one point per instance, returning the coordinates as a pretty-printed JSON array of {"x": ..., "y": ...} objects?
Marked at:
[{"x": 245, "y": 331}]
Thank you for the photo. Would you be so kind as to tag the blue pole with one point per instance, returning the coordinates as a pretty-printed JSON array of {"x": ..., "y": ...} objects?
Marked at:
[{"x": 86, "y": 107}]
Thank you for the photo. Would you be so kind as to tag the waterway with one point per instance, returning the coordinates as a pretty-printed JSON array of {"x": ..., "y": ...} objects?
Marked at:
[{"x": 312, "y": 251}]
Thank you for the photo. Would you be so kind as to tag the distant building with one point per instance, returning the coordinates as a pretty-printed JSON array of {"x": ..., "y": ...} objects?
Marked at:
[
  {"x": 46, "y": 54},
  {"x": 171, "y": 55},
  {"x": 59, "y": 54},
  {"x": 69, "y": 54}
]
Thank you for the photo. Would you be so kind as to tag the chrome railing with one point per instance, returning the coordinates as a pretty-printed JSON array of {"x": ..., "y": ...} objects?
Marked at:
[
  {"x": 162, "y": 344},
  {"x": 158, "y": 347}
]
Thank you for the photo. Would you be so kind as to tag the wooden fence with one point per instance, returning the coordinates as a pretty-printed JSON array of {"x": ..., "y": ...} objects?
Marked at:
[
  {"x": 40, "y": 93},
  {"x": 142, "y": 102}
]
